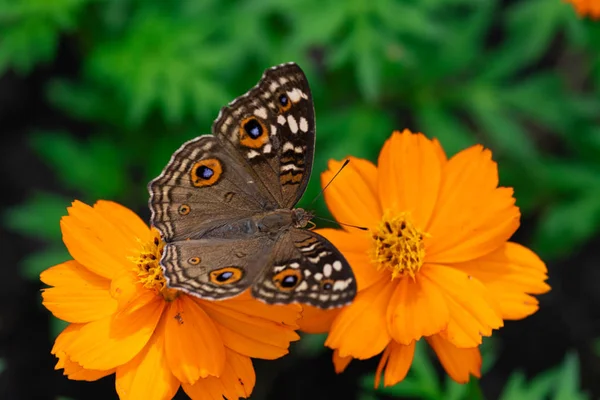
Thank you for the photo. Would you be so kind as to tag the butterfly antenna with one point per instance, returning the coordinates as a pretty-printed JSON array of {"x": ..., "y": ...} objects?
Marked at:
[
  {"x": 362, "y": 228},
  {"x": 331, "y": 180}
]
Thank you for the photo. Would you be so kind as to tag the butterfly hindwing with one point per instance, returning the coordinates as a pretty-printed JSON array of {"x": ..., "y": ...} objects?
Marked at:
[
  {"x": 214, "y": 269},
  {"x": 272, "y": 127},
  {"x": 306, "y": 268}
]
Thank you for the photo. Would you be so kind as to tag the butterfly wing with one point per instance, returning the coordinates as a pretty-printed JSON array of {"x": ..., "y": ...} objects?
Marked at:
[
  {"x": 306, "y": 268},
  {"x": 272, "y": 127},
  {"x": 214, "y": 269},
  {"x": 203, "y": 187}
]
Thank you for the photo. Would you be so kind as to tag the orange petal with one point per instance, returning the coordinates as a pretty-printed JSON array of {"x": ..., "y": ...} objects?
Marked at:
[
  {"x": 109, "y": 342},
  {"x": 97, "y": 242},
  {"x": 72, "y": 369},
  {"x": 130, "y": 225},
  {"x": 409, "y": 175},
  {"x": 237, "y": 381},
  {"x": 473, "y": 312},
  {"x": 439, "y": 150},
  {"x": 417, "y": 308},
  {"x": 382, "y": 363},
  {"x": 316, "y": 320},
  {"x": 510, "y": 274},
  {"x": 352, "y": 197},
  {"x": 78, "y": 295},
  {"x": 398, "y": 363},
  {"x": 355, "y": 247},
  {"x": 147, "y": 375},
  {"x": 194, "y": 348},
  {"x": 458, "y": 363},
  {"x": 473, "y": 216},
  {"x": 77, "y": 373},
  {"x": 287, "y": 315},
  {"x": 340, "y": 363},
  {"x": 249, "y": 335},
  {"x": 361, "y": 330}
]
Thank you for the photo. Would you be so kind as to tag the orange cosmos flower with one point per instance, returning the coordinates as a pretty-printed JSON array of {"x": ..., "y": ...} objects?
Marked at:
[
  {"x": 587, "y": 7},
  {"x": 124, "y": 320},
  {"x": 435, "y": 262}
]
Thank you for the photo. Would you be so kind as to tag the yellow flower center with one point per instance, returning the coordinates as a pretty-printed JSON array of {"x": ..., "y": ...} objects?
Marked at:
[
  {"x": 398, "y": 245},
  {"x": 148, "y": 268}
]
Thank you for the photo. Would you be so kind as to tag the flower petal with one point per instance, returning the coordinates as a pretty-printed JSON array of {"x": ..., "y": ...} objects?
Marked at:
[
  {"x": 147, "y": 375},
  {"x": 409, "y": 176},
  {"x": 340, "y": 363},
  {"x": 473, "y": 217},
  {"x": 510, "y": 274},
  {"x": 458, "y": 363},
  {"x": 110, "y": 342},
  {"x": 250, "y": 335},
  {"x": 361, "y": 330},
  {"x": 72, "y": 369},
  {"x": 473, "y": 312},
  {"x": 95, "y": 241},
  {"x": 355, "y": 247},
  {"x": 131, "y": 227},
  {"x": 352, "y": 198},
  {"x": 194, "y": 348},
  {"x": 77, "y": 373},
  {"x": 282, "y": 314},
  {"x": 237, "y": 381},
  {"x": 78, "y": 295},
  {"x": 417, "y": 308},
  {"x": 398, "y": 363},
  {"x": 316, "y": 320}
]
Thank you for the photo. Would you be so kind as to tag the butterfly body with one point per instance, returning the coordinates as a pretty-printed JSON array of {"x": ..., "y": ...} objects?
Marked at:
[{"x": 224, "y": 204}]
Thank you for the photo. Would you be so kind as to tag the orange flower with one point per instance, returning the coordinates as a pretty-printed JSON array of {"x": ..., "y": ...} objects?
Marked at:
[
  {"x": 587, "y": 7},
  {"x": 435, "y": 262},
  {"x": 124, "y": 320}
]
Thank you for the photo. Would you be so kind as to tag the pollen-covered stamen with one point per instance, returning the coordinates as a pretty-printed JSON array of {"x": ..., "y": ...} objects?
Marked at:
[
  {"x": 398, "y": 245},
  {"x": 148, "y": 267}
]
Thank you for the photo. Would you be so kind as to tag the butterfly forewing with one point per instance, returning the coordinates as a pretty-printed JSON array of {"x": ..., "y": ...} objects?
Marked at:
[
  {"x": 186, "y": 205},
  {"x": 273, "y": 128}
]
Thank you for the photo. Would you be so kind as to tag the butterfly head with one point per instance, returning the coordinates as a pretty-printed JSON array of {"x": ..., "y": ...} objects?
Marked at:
[{"x": 301, "y": 217}]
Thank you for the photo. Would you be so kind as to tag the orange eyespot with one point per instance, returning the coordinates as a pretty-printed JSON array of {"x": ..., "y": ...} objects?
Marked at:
[
  {"x": 327, "y": 284},
  {"x": 226, "y": 275},
  {"x": 206, "y": 172},
  {"x": 288, "y": 279},
  {"x": 253, "y": 133},
  {"x": 184, "y": 209},
  {"x": 194, "y": 260},
  {"x": 284, "y": 103}
]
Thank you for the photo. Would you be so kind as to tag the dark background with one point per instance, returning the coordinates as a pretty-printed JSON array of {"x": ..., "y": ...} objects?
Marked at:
[{"x": 95, "y": 96}]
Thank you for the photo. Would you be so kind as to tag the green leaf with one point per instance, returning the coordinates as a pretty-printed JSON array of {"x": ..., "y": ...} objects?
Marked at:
[{"x": 38, "y": 216}]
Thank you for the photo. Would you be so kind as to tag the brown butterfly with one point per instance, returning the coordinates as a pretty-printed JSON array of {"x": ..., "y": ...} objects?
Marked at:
[{"x": 224, "y": 204}]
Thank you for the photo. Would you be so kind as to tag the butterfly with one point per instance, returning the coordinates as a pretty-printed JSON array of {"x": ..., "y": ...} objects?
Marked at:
[{"x": 224, "y": 204}]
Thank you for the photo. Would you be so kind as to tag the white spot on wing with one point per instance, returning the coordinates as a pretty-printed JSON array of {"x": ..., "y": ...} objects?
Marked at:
[
  {"x": 295, "y": 95},
  {"x": 281, "y": 120},
  {"x": 318, "y": 276},
  {"x": 337, "y": 265},
  {"x": 302, "y": 286},
  {"x": 261, "y": 113},
  {"x": 273, "y": 130},
  {"x": 303, "y": 124},
  {"x": 253, "y": 153},
  {"x": 288, "y": 146},
  {"x": 288, "y": 167},
  {"x": 292, "y": 123},
  {"x": 327, "y": 270}
]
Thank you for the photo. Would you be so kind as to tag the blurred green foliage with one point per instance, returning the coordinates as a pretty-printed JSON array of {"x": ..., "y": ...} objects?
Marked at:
[{"x": 524, "y": 80}]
